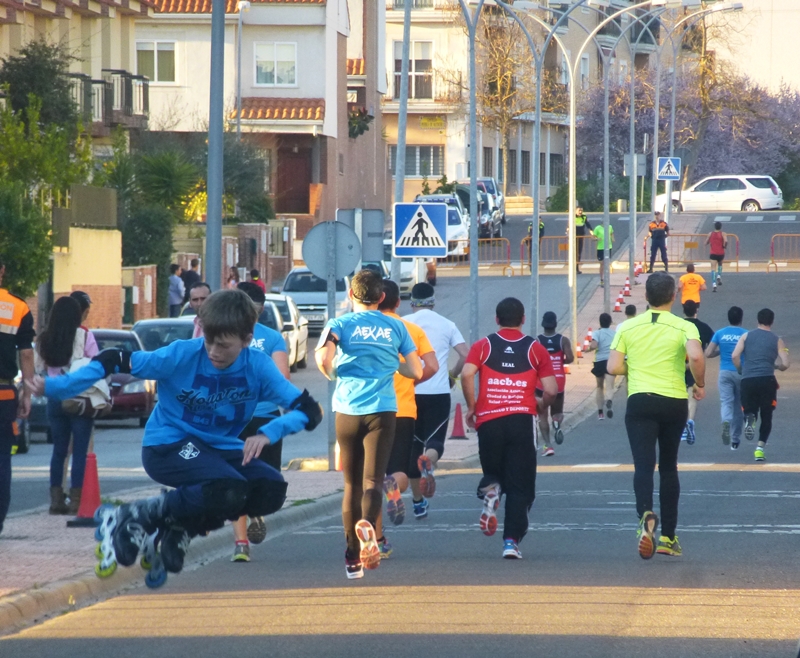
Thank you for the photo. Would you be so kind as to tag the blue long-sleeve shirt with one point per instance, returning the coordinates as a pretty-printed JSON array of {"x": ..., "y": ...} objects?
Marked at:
[{"x": 197, "y": 399}]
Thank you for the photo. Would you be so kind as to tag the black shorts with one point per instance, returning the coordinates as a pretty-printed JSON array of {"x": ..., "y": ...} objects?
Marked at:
[
  {"x": 601, "y": 254},
  {"x": 401, "y": 457},
  {"x": 600, "y": 368},
  {"x": 270, "y": 454},
  {"x": 433, "y": 415},
  {"x": 558, "y": 404},
  {"x": 718, "y": 257}
]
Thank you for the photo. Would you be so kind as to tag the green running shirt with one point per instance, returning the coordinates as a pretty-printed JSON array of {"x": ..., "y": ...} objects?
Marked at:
[{"x": 655, "y": 344}]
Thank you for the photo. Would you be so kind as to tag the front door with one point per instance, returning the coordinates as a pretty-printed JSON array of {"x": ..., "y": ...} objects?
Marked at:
[{"x": 293, "y": 181}]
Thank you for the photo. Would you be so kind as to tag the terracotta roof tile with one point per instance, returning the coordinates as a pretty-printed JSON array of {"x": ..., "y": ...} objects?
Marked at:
[
  {"x": 204, "y": 6},
  {"x": 356, "y": 67},
  {"x": 276, "y": 109}
]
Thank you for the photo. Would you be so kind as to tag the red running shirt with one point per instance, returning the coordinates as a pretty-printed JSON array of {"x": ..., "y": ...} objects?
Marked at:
[
  {"x": 717, "y": 243},
  {"x": 553, "y": 345},
  {"x": 510, "y": 365}
]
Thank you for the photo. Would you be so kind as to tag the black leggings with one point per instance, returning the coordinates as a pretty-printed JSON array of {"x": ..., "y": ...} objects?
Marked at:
[
  {"x": 652, "y": 419},
  {"x": 760, "y": 394},
  {"x": 433, "y": 414},
  {"x": 365, "y": 443}
]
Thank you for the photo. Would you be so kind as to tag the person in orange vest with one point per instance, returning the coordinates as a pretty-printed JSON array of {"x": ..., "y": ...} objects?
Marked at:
[
  {"x": 659, "y": 230},
  {"x": 690, "y": 285}
]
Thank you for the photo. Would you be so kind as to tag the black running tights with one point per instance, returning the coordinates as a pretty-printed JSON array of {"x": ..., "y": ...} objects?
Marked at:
[{"x": 365, "y": 443}]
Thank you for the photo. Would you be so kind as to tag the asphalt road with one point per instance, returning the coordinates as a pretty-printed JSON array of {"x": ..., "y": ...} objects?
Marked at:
[
  {"x": 754, "y": 230},
  {"x": 581, "y": 589}
]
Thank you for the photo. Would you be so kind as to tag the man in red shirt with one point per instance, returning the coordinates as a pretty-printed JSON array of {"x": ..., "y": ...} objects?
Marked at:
[{"x": 510, "y": 366}]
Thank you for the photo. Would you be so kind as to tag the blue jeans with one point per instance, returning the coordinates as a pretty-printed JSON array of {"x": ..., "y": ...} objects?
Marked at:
[
  {"x": 730, "y": 390},
  {"x": 62, "y": 427}
]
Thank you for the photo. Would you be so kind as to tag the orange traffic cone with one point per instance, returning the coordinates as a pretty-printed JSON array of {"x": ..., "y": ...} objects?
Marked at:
[
  {"x": 566, "y": 368},
  {"x": 458, "y": 424},
  {"x": 626, "y": 292},
  {"x": 586, "y": 344},
  {"x": 337, "y": 457},
  {"x": 579, "y": 353},
  {"x": 617, "y": 306},
  {"x": 589, "y": 334},
  {"x": 90, "y": 496}
]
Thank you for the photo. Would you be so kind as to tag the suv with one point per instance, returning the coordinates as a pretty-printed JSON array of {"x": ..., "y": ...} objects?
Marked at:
[
  {"x": 494, "y": 189},
  {"x": 310, "y": 293},
  {"x": 457, "y": 222},
  {"x": 732, "y": 193},
  {"x": 490, "y": 220}
]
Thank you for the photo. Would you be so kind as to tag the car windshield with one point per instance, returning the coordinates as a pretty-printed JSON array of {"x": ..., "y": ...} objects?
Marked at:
[
  {"x": 761, "y": 183},
  {"x": 489, "y": 186},
  {"x": 387, "y": 254},
  {"x": 453, "y": 217},
  {"x": 283, "y": 308},
  {"x": 267, "y": 318},
  {"x": 129, "y": 344},
  {"x": 159, "y": 334},
  {"x": 308, "y": 282}
]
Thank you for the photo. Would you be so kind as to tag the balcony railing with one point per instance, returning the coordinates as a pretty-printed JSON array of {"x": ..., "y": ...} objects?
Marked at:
[
  {"x": 81, "y": 87},
  {"x": 129, "y": 93},
  {"x": 646, "y": 35},
  {"x": 399, "y": 5}
]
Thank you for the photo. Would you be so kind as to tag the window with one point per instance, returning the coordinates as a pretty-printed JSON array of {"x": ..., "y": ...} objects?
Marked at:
[
  {"x": 557, "y": 177},
  {"x": 526, "y": 167},
  {"x": 711, "y": 185},
  {"x": 584, "y": 71},
  {"x": 266, "y": 158},
  {"x": 761, "y": 183},
  {"x": 730, "y": 184},
  {"x": 542, "y": 170},
  {"x": 565, "y": 64},
  {"x": 420, "y": 160},
  {"x": 488, "y": 168},
  {"x": 276, "y": 64},
  {"x": 420, "y": 69},
  {"x": 512, "y": 166},
  {"x": 156, "y": 60}
]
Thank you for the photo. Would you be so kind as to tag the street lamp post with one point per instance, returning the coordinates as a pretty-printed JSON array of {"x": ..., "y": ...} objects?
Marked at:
[
  {"x": 242, "y": 6},
  {"x": 213, "y": 264}
]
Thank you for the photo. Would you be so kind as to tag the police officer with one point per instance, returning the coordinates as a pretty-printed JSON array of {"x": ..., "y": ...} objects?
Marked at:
[
  {"x": 16, "y": 335},
  {"x": 582, "y": 226},
  {"x": 530, "y": 240},
  {"x": 659, "y": 230}
]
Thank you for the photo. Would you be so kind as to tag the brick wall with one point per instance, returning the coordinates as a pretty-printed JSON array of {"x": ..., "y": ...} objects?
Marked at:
[
  {"x": 33, "y": 305},
  {"x": 107, "y": 301},
  {"x": 254, "y": 235},
  {"x": 145, "y": 294},
  {"x": 185, "y": 260}
]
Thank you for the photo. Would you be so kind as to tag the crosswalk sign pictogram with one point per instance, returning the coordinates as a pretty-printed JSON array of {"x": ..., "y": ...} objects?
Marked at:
[
  {"x": 669, "y": 169},
  {"x": 420, "y": 230}
]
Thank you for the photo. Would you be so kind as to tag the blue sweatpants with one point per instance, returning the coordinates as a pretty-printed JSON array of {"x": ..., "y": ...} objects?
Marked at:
[{"x": 203, "y": 475}]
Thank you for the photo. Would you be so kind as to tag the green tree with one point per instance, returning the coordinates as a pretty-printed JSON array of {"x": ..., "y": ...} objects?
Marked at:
[
  {"x": 166, "y": 178},
  {"x": 25, "y": 246}
]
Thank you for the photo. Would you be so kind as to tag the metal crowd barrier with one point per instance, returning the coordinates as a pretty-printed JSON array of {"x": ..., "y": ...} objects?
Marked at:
[
  {"x": 491, "y": 251},
  {"x": 684, "y": 248},
  {"x": 555, "y": 249},
  {"x": 784, "y": 248}
]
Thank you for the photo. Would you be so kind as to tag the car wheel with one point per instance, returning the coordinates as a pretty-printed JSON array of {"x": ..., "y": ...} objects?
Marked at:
[
  {"x": 750, "y": 206},
  {"x": 499, "y": 232},
  {"x": 503, "y": 219},
  {"x": 676, "y": 206},
  {"x": 293, "y": 367},
  {"x": 303, "y": 363},
  {"x": 23, "y": 438}
]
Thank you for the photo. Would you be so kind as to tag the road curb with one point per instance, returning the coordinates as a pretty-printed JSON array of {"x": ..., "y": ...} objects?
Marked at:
[{"x": 32, "y": 606}]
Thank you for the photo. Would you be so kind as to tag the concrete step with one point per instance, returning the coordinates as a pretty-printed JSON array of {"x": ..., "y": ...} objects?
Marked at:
[{"x": 519, "y": 205}]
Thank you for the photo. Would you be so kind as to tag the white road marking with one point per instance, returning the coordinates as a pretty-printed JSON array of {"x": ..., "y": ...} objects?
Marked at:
[
  {"x": 754, "y": 218},
  {"x": 556, "y": 266},
  {"x": 787, "y": 218},
  {"x": 744, "y": 263},
  {"x": 722, "y": 218}
]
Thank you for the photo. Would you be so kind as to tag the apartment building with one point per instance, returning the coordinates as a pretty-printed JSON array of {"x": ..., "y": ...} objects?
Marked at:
[{"x": 437, "y": 135}]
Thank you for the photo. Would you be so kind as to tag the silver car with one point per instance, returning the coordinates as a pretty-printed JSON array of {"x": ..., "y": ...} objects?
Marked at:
[
  {"x": 310, "y": 293},
  {"x": 295, "y": 330},
  {"x": 743, "y": 193}
]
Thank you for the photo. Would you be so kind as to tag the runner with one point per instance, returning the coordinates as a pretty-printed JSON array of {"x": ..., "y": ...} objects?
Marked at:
[
  {"x": 718, "y": 243},
  {"x": 659, "y": 231},
  {"x": 402, "y": 461},
  {"x": 433, "y": 396},
  {"x": 690, "y": 285},
  {"x": 757, "y": 355},
  {"x": 272, "y": 344},
  {"x": 630, "y": 311},
  {"x": 656, "y": 344},
  {"x": 560, "y": 349},
  {"x": 510, "y": 366},
  {"x": 361, "y": 352},
  {"x": 207, "y": 391},
  {"x": 601, "y": 341},
  {"x": 706, "y": 334},
  {"x": 599, "y": 233},
  {"x": 730, "y": 381}
]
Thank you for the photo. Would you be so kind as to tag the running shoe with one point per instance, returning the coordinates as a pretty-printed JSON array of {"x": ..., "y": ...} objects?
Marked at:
[
  {"x": 685, "y": 433},
  {"x": 609, "y": 410},
  {"x": 395, "y": 507},
  {"x": 427, "y": 483},
  {"x": 600, "y": 415},
  {"x": 241, "y": 552},
  {"x": 759, "y": 454},
  {"x": 690, "y": 437},
  {"x": 491, "y": 501},
  {"x": 726, "y": 433},
  {"x": 370, "y": 552},
  {"x": 667, "y": 546},
  {"x": 257, "y": 530},
  {"x": 547, "y": 451},
  {"x": 750, "y": 426},
  {"x": 714, "y": 288},
  {"x": 511, "y": 550},
  {"x": 645, "y": 535},
  {"x": 385, "y": 548},
  {"x": 559, "y": 433},
  {"x": 734, "y": 445},
  {"x": 352, "y": 567},
  {"x": 420, "y": 508},
  {"x": 719, "y": 279}
]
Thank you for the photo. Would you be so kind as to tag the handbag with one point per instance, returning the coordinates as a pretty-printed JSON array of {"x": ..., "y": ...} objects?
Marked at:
[{"x": 95, "y": 401}]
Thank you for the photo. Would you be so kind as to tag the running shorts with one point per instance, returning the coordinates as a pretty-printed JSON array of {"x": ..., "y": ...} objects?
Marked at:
[
  {"x": 599, "y": 368},
  {"x": 558, "y": 404}
]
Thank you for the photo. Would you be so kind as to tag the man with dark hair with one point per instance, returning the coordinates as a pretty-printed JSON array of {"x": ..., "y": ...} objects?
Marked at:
[
  {"x": 657, "y": 344},
  {"x": 255, "y": 277},
  {"x": 510, "y": 366},
  {"x": 559, "y": 347},
  {"x": 706, "y": 334},
  {"x": 190, "y": 277},
  {"x": 717, "y": 242},
  {"x": 402, "y": 459},
  {"x": 730, "y": 381},
  {"x": 16, "y": 340},
  {"x": 690, "y": 285},
  {"x": 630, "y": 311},
  {"x": 757, "y": 355},
  {"x": 176, "y": 291},
  {"x": 199, "y": 293}
]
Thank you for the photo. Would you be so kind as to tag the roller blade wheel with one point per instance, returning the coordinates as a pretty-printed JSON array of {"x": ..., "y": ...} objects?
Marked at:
[{"x": 157, "y": 575}]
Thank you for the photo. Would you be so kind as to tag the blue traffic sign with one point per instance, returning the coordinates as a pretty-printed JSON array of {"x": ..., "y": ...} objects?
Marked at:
[
  {"x": 420, "y": 230},
  {"x": 669, "y": 169}
]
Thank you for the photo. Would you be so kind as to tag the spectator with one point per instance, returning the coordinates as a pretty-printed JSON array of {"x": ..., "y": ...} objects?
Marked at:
[
  {"x": 176, "y": 292},
  {"x": 255, "y": 277},
  {"x": 233, "y": 278},
  {"x": 198, "y": 294},
  {"x": 85, "y": 303},
  {"x": 190, "y": 277}
]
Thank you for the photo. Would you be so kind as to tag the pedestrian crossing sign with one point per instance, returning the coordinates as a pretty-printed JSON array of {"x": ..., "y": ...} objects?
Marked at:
[
  {"x": 669, "y": 169},
  {"x": 420, "y": 230}
]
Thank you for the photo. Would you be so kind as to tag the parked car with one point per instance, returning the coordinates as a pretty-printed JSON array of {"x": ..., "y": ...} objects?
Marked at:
[
  {"x": 490, "y": 219},
  {"x": 159, "y": 332},
  {"x": 496, "y": 192},
  {"x": 457, "y": 217},
  {"x": 732, "y": 193},
  {"x": 462, "y": 191},
  {"x": 131, "y": 397},
  {"x": 295, "y": 327},
  {"x": 310, "y": 293},
  {"x": 406, "y": 282}
]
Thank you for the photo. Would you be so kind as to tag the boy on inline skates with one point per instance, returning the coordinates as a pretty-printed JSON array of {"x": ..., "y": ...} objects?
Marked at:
[{"x": 208, "y": 391}]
